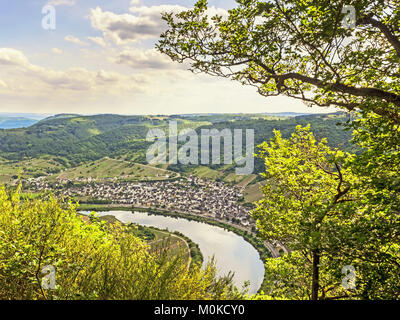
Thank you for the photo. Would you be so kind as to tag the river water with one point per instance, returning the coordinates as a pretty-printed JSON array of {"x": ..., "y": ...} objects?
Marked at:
[{"x": 231, "y": 252}]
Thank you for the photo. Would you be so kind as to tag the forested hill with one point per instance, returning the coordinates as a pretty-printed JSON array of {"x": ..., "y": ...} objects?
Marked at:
[
  {"x": 84, "y": 138},
  {"x": 78, "y": 138},
  {"x": 329, "y": 126}
]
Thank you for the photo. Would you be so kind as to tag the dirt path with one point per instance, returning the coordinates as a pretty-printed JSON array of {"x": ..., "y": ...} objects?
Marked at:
[{"x": 175, "y": 244}]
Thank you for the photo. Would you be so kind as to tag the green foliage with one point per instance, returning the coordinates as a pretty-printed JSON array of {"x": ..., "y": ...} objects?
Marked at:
[
  {"x": 324, "y": 126},
  {"x": 288, "y": 277},
  {"x": 322, "y": 211},
  {"x": 378, "y": 169},
  {"x": 93, "y": 260},
  {"x": 303, "y": 183},
  {"x": 145, "y": 233},
  {"x": 77, "y": 138},
  {"x": 195, "y": 253}
]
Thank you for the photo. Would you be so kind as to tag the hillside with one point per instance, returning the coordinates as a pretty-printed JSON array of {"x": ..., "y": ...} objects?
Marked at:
[
  {"x": 84, "y": 138},
  {"x": 77, "y": 138},
  {"x": 328, "y": 126},
  {"x": 106, "y": 146}
]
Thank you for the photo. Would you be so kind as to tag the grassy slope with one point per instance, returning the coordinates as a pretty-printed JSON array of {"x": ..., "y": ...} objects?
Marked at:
[
  {"x": 27, "y": 168},
  {"x": 110, "y": 168},
  {"x": 253, "y": 192}
]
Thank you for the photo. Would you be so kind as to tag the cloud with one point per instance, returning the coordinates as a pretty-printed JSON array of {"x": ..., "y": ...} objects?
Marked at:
[
  {"x": 119, "y": 79},
  {"x": 56, "y": 51},
  {"x": 142, "y": 23},
  {"x": 12, "y": 57},
  {"x": 145, "y": 59},
  {"x": 3, "y": 84},
  {"x": 37, "y": 80},
  {"x": 125, "y": 28},
  {"x": 61, "y": 2},
  {"x": 71, "y": 38},
  {"x": 98, "y": 40}
]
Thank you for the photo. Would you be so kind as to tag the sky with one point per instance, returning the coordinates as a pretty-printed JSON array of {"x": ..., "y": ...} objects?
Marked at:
[{"x": 101, "y": 58}]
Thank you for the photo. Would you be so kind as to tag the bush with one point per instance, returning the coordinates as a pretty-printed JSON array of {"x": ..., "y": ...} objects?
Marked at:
[{"x": 92, "y": 259}]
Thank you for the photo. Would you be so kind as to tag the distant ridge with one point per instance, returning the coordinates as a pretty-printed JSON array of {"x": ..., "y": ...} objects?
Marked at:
[
  {"x": 290, "y": 114},
  {"x": 32, "y": 116},
  {"x": 276, "y": 114},
  {"x": 16, "y": 122},
  {"x": 62, "y": 116},
  {"x": 24, "y": 120}
]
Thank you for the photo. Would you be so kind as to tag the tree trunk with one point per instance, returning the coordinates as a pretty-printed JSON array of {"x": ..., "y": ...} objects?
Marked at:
[{"x": 315, "y": 276}]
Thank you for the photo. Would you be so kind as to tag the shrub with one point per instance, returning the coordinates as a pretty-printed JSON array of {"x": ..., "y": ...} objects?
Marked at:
[{"x": 92, "y": 259}]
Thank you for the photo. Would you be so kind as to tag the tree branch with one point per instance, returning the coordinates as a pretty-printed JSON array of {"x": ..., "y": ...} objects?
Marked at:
[{"x": 393, "y": 40}]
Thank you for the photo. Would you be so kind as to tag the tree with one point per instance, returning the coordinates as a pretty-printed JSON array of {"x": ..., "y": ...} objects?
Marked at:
[
  {"x": 306, "y": 185},
  {"x": 315, "y": 204},
  {"x": 378, "y": 172},
  {"x": 302, "y": 49},
  {"x": 308, "y": 51}
]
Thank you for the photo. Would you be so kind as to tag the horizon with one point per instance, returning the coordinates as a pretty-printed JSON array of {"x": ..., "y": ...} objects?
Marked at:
[{"x": 27, "y": 114}]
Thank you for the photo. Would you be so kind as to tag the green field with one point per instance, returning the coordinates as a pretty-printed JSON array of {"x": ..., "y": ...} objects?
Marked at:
[
  {"x": 105, "y": 168},
  {"x": 206, "y": 173},
  {"x": 9, "y": 170}
]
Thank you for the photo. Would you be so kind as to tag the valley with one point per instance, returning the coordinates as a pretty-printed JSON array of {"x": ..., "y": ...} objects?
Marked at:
[{"x": 74, "y": 148}]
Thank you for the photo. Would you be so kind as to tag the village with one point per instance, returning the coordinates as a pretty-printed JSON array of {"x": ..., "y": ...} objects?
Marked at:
[{"x": 190, "y": 195}]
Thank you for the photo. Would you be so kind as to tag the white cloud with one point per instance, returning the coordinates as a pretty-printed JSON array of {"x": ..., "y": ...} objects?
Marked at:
[
  {"x": 38, "y": 80},
  {"x": 107, "y": 82},
  {"x": 124, "y": 28},
  {"x": 71, "y": 38},
  {"x": 56, "y": 51},
  {"x": 12, "y": 57},
  {"x": 28, "y": 87},
  {"x": 142, "y": 23},
  {"x": 61, "y": 2},
  {"x": 98, "y": 40},
  {"x": 145, "y": 59},
  {"x": 3, "y": 84}
]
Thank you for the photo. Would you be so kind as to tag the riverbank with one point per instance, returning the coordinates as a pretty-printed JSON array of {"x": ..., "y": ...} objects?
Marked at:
[
  {"x": 247, "y": 235},
  {"x": 241, "y": 231}
]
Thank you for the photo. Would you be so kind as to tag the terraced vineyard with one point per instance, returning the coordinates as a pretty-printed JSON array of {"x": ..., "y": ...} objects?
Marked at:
[{"x": 107, "y": 168}]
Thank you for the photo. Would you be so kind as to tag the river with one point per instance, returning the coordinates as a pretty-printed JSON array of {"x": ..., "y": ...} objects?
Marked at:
[{"x": 231, "y": 252}]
